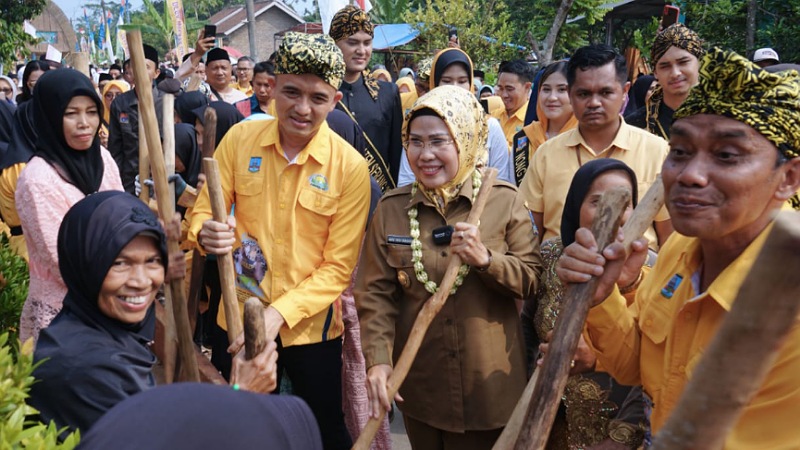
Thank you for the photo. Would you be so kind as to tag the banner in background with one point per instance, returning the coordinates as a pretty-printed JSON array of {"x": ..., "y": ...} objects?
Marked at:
[{"x": 179, "y": 27}]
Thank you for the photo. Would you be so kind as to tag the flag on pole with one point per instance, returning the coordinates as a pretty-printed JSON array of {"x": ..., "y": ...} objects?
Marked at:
[
  {"x": 107, "y": 44},
  {"x": 178, "y": 27},
  {"x": 122, "y": 40}
]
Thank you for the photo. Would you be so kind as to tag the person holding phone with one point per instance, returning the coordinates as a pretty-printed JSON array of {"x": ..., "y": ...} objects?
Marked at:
[{"x": 675, "y": 56}]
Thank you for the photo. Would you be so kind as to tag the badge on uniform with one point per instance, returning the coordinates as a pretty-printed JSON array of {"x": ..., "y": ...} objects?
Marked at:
[
  {"x": 123, "y": 117},
  {"x": 318, "y": 181},
  {"x": 669, "y": 290},
  {"x": 522, "y": 142},
  {"x": 399, "y": 240},
  {"x": 255, "y": 164}
]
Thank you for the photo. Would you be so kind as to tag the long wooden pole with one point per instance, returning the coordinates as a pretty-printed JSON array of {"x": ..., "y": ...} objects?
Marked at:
[
  {"x": 166, "y": 208},
  {"x": 646, "y": 210},
  {"x": 144, "y": 164},
  {"x": 553, "y": 374},
  {"x": 255, "y": 335},
  {"x": 426, "y": 315},
  {"x": 744, "y": 349},
  {"x": 227, "y": 273}
]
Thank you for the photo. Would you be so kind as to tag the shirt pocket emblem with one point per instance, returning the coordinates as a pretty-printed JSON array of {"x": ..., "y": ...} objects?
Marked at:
[
  {"x": 255, "y": 164},
  {"x": 318, "y": 181}
]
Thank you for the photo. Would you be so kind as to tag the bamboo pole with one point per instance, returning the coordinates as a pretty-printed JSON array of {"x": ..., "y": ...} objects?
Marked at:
[
  {"x": 634, "y": 228},
  {"x": 426, "y": 315},
  {"x": 166, "y": 209},
  {"x": 744, "y": 349},
  {"x": 255, "y": 334},
  {"x": 553, "y": 374},
  {"x": 227, "y": 273},
  {"x": 144, "y": 165}
]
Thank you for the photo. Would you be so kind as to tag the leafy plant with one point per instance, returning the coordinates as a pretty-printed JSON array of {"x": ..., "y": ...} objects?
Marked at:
[
  {"x": 18, "y": 430},
  {"x": 15, "y": 40},
  {"x": 14, "y": 279}
]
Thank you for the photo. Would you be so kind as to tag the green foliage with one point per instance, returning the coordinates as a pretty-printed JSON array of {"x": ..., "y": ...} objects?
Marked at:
[
  {"x": 474, "y": 20},
  {"x": 17, "y": 430},
  {"x": 389, "y": 11},
  {"x": 723, "y": 23},
  {"x": 13, "y": 287},
  {"x": 643, "y": 37},
  {"x": 14, "y": 40},
  {"x": 203, "y": 9}
]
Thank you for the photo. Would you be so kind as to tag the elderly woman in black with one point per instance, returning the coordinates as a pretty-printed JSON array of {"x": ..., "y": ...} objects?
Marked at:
[{"x": 113, "y": 258}]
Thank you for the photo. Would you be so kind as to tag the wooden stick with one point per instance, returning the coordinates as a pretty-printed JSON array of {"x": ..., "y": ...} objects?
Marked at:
[
  {"x": 745, "y": 347},
  {"x": 209, "y": 132},
  {"x": 646, "y": 210},
  {"x": 144, "y": 165},
  {"x": 634, "y": 228},
  {"x": 227, "y": 273},
  {"x": 166, "y": 209},
  {"x": 255, "y": 334},
  {"x": 555, "y": 368},
  {"x": 426, "y": 315},
  {"x": 198, "y": 260}
]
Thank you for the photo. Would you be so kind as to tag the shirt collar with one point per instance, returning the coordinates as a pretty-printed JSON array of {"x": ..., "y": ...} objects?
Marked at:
[
  {"x": 621, "y": 141},
  {"x": 317, "y": 148},
  {"x": 725, "y": 287},
  {"x": 419, "y": 197},
  {"x": 520, "y": 113}
]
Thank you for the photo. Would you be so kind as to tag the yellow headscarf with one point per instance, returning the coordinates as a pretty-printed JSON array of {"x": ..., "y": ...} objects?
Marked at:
[
  {"x": 407, "y": 82},
  {"x": 119, "y": 84},
  {"x": 377, "y": 73},
  {"x": 464, "y": 117}
]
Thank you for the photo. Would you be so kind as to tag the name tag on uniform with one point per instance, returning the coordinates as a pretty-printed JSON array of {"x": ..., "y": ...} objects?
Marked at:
[{"x": 399, "y": 240}]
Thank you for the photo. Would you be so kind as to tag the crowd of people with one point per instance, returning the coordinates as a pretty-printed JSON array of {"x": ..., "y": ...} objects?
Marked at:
[{"x": 349, "y": 192}]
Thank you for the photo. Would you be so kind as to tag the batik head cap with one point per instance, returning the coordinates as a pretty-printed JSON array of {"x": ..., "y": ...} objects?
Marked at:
[
  {"x": 731, "y": 86},
  {"x": 424, "y": 69},
  {"x": 465, "y": 118},
  {"x": 315, "y": 54},
  {"x": 677, "y": 35},
  {"x": 349, "y": 21}
]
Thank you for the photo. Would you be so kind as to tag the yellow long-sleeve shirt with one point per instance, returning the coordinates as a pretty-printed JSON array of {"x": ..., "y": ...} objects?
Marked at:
[
  {"x": 8, "y": 206},
  {"x": 659, "y": 340},
  {"x": 299, "y": 225}
]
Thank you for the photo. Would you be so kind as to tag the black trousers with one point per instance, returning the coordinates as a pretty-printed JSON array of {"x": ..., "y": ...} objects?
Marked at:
[{"x": 316, "y": 374}]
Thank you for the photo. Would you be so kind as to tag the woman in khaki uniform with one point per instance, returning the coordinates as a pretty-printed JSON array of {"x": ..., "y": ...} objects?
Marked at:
[{"x": 470, "y": 371}]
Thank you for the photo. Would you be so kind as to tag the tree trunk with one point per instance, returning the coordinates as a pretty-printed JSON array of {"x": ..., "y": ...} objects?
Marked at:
[
  {"x": 545, "y": 53},
  {"x": 750, "y": 38}
]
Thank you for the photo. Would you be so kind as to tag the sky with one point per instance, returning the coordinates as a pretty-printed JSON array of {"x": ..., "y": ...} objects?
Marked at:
[{"x": 74, "y": 8}]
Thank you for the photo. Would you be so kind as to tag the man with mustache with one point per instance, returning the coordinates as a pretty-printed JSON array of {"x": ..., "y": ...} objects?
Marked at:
[
  {"x": 597, "y": 79},
  {"x": 374, "y": 105},
  {"x": 675, "y": 60},
  {"x": 733, "y": 164},
  {"x": 219, "y": 75}
]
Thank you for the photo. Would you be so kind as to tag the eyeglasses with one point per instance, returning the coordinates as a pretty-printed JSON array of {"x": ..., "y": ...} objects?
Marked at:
[
  {"x": 434, "y": 144},
  {"x": 112, "y": 95},
  {"x": 6, "y": 90}
]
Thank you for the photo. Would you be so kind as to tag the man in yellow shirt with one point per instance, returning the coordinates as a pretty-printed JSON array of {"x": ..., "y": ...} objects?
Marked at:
[
  {"x": 597, "y": 80},
  {"x": 514, "y": 80},
  {"x": 244, "y": 75},
  {"x": 733, "y": 164},
  {"x": 301, "y": 196}
]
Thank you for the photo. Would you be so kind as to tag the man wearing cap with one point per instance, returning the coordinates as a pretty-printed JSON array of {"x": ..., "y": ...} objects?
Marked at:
[
  {"x": 765, "y": 57},
  {"x": 373, "y": 104},
  {"x": 218, "y": 76},
  {"x": 123, "y": 127},
  {"x": 301, "y": 207},
  {"x": 675, "y": 55},
  {"x": 732, "y": 165}
]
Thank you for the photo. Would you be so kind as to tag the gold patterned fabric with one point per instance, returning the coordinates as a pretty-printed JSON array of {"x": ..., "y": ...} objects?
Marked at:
[
  {"x": 349, "y": 21},
  {"x": 315, "y": 54},
  {"x": 464, "y": 117},
  {"x": 676, "y": 35},
  {"x": 591, "y": 400},
  {"x": 731, "y": 86},
  {"x": 424, "y": 69}
]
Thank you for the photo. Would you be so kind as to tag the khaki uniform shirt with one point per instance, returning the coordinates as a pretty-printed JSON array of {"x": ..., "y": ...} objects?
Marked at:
[{"x": 470, "y": 370}]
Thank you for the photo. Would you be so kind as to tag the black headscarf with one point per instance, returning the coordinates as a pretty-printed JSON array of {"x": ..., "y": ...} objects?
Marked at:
[
  {"x": 227, "y": 116},
  {"x": 54, "y": 90},
  {"x": 186, "y": 102},
  {"x": 93, "y": 361},
  {"x": 581, "y": 183},
  {"x": 190, "y": 416},
  {"x": 640, "y": 88},
  {"x": 6, "y": 125},
  {"x": 445, "y": 59},
  {"x": 23, "y": 137},
  {"x": 186, "y": 150}
]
